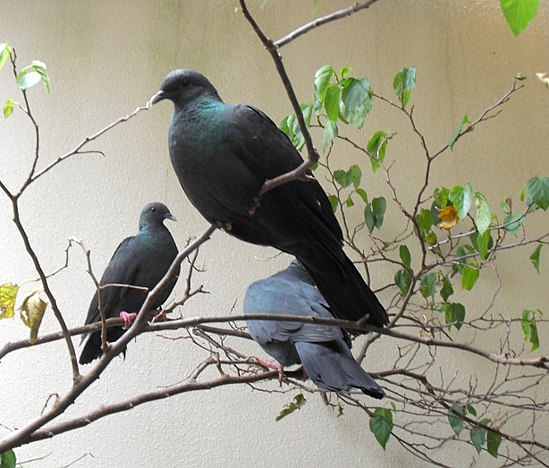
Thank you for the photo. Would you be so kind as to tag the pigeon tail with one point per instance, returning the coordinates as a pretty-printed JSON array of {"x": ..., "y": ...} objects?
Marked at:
[
  {"x": 331, "y": 367},
  {"x": 92, "y": 349}
]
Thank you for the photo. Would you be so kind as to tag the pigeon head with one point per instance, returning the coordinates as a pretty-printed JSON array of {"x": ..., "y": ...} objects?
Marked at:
[
  {"x": 154, "y": 214},
  {"x": 183, "y": 86}
]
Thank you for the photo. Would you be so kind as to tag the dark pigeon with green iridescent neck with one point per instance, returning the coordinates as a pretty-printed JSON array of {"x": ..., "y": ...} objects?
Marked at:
[
  {"x": 141, "y": 260},
  {"x": 222, "y": 155},
  {"x": 323, "y": 350}
]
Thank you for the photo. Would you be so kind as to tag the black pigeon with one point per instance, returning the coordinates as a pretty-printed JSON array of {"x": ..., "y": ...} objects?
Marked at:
[
  {"x": 222, "y": 155},
  {"x": 323, "y": 350},
  {"x": 141, "y": 260}
]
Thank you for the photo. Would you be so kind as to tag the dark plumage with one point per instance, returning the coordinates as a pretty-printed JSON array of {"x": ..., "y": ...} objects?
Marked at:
[
  {"x": 323, "y": 350},
  {"x": 141, "y": 260},
  {"x": 223, "y": 153}
]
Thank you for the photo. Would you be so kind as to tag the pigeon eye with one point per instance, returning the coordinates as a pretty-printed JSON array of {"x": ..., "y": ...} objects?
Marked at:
[{"x": 153, "y": 209}]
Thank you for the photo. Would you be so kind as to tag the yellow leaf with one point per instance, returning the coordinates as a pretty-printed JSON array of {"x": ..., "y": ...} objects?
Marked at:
[
  {"x": 448, "y": 216},
  {"x": 8, "y": 293},
  {"x": 544, "y": 78},
  {"x": 32, "y": 310}
]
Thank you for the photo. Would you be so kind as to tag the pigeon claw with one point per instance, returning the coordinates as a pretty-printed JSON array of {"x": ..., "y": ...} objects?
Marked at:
[
  {"x": 274, "y": 365},
  {"x": 128, "y": 319},
  {"x": 255, "y": 207},
  {"x": 225, "y": 226}
]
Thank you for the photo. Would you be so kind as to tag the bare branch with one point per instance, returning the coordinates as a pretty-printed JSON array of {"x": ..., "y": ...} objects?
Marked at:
[
  {"x": 343, "y": 13},
  {"x": 188, "y": 386},
  {"x": 313, "y": 156}
]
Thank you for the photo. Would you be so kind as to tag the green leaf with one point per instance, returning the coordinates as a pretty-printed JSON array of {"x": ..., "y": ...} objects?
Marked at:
[
  {"x": 425, "y": 219},
  {"x": 454, "y": 313},
  {"x": 8, "y": 294},
  {"x": 356, "y": 101},
  {"x": 330, "y": 133},
  {"x": 403, "y": 280},
  {"x": 529, "y": 327},
  {"x": 354, "y": 175},
  {"x": 346, "y": 178},
  {"x": 441, "y": 196},
  {"x": 331, "y": 102},
  {"x": 513, "y": 222},
  {"x": 469, "y": 276},
  {"x": 27, "y": 78},
  {"x": 339, "y": 176},
  {"x": 403, "y": 83},
  {"x": 7, "y": 459},
  {"x": 381, "y": 425},
  {"x": 483, "y": 216},
  {"x": 344, "y": 71},
  {"x": 494, "y": 441},
  {"x": 307, "y": 111},
  {"x": 323, "y": 76},
  {"x": 42, "y": 70},
  {"x": 478, "y": 437},
  {"x": 428, "y": 285},
  {"x": 535, "y": 257},
  {"x": 483, "y": 243},
  {"x": 362, "y": 194},
  {"x": 462, "y": 199},
  {"x": 519, "y": 13},
  {"x": 538, "y": 191},
  {"x": 377, "y": 146},
  {"x": 447, "y": 290},
  {"x": 405, "y": 255},
  {"x": 457, "y": 133},
  {"x": 455, "y": 416},
  {"x": 430, "y": 237},
  {"x": 8, "y": 108},
  {"x": 369, "y": 217},
  {"x": 297, "y": 403},
  {"x": 471, "y": 410},
  {"x": 5, "y": 52},
  {"x": 506, "y": 206},
  {"x": 374, "y": 213},
  {"x": 290, "y": 125},
  {"x": 379, "y": 205},
  {"x": 522, "y": 193},
  {"x": 334, "y": 201}
]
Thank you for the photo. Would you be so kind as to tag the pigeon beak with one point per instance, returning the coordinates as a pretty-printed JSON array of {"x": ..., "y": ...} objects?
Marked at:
[
  {"x": 170, "y": 216},
  {"x": 160, "y": 96}
]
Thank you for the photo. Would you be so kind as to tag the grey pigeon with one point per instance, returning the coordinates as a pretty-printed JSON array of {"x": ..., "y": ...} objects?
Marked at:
[
  {"x": 323, "y": 350},
  {"x": 141, "y": 260},
  {"x": 222, "y": 155}
]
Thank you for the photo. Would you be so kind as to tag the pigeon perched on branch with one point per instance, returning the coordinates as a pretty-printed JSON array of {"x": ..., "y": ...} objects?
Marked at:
[
  {"x": 323, "y": 350},
  {"x": 141, "y": 261},
  {"x": 222, "y": 155}
]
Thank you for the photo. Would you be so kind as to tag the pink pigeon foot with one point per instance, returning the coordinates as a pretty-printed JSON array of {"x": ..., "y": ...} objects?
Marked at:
[
  {"x": 128, "y": 319},
  {"x": 256, "y": 205},
  {"x": 274, "y": 365},
  {"x": 226, "y": 226}
]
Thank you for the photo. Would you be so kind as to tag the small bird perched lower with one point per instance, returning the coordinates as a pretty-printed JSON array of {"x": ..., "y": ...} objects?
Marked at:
[
  {"x": 323, "y": 350},
  {"x": 222, "y": 155},
  {"x": 141, "y": 260}
]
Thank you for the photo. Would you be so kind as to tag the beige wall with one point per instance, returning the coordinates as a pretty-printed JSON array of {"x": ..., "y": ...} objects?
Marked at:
[{"x": 105, "y": 58}]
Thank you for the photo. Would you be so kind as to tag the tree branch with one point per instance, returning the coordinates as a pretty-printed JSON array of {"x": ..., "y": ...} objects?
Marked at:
[
  {"x": 313, "y": 156},
  {"x": 343, "y": 13}
]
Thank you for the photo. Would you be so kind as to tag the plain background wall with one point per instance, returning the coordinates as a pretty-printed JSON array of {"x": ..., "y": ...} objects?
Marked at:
[{"x": 106, "y": 58}]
